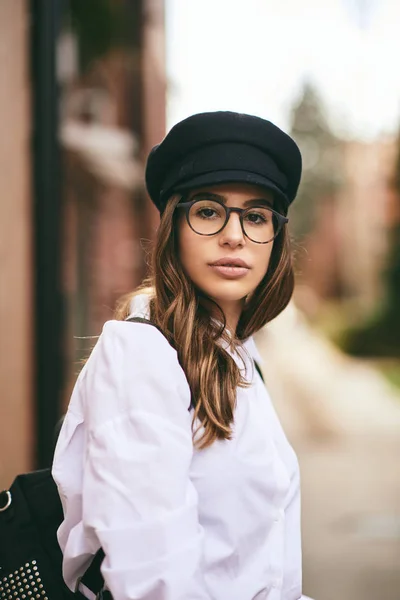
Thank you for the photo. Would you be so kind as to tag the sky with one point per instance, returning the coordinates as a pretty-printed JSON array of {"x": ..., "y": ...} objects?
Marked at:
[{"x": 255, "y": 55}]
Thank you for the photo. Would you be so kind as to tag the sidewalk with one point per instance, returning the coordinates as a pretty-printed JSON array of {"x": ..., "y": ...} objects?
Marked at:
[
  {"x": 343, "y": 420},
  {"x": 351, "y": 517}
]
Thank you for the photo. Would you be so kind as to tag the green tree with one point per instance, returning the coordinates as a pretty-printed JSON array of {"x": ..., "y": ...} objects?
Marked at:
[
  {"x": 393, "y": 271},
  {"x": 98, "y": 26},
  {"x": 321, "y": 151},
  {"x": 380, "y": 336}
]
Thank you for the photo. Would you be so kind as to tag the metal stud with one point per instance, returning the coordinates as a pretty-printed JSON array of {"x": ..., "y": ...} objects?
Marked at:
[{"x": 23, "y": 584}]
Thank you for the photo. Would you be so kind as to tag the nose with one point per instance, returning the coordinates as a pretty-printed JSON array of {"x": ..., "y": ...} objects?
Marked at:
[{"x": 232, "y": 234}]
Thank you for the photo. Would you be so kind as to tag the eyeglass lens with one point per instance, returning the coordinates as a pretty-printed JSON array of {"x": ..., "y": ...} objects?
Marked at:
[{"x": 207, "y": 217}]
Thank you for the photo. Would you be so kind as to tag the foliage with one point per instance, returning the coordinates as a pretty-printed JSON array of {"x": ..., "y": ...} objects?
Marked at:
[
  {"x": 390, "y": 370},
  {"x": 380, "y": 336},
  {"x": 97, "y": 25},
  {"x": 321, "y": 160}
]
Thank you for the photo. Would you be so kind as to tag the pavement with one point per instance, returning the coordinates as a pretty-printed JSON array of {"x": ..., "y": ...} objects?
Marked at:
[
  {"x": 351, "y": 517},
  {"x": 343, "y": 419}
]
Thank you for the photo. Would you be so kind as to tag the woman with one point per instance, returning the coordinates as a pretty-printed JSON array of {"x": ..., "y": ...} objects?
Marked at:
[{"x": 171, "y": 457}]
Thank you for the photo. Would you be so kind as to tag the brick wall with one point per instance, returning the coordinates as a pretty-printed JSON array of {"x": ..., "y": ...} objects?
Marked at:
[{"x": 15, "y": 243}]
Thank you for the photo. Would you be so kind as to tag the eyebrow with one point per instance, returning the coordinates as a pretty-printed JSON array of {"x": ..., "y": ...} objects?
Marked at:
[{"x": 223, "y": 199}]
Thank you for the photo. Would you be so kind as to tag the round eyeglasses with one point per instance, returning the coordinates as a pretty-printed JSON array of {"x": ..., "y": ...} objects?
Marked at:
[{"x": 260, "y": 224}]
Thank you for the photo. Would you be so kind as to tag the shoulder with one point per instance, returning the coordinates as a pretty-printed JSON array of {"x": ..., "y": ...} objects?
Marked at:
[
  {"x": 138, "y": 347},
  {"x": 133, "y": 367},
  {"x": 140, "y": 339}
]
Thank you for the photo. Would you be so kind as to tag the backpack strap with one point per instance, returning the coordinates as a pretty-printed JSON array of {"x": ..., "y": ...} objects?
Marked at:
[
  {"x": 92, "y": 578},
  {"x": 143, "y": 320},
  {"x": 257, "y": 366}
]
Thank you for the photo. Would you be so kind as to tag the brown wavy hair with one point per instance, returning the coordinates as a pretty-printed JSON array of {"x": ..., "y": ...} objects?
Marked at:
[{"x": 183, "y": 312}]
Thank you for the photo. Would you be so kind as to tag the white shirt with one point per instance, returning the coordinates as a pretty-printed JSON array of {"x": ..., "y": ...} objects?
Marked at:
[{"x": 175, "y": 523}]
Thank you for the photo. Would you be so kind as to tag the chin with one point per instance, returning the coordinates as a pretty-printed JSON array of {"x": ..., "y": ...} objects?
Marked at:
[{"x": 225, "y": 294}]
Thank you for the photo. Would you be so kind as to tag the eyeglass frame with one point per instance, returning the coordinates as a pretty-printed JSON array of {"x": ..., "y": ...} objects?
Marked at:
[{"x": 282, "y": 220}]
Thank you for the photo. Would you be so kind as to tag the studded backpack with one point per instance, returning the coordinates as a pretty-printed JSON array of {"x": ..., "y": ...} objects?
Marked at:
[{"x": 30, "y": 557}]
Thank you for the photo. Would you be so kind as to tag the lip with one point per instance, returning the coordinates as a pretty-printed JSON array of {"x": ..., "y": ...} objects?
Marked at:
[
  {"x": 230, "y": 268},
  {"x": 230, "y": 262}
]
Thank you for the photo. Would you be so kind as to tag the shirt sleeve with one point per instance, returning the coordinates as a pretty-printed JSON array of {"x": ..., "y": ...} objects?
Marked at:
[{"x": 137, "y": 496}]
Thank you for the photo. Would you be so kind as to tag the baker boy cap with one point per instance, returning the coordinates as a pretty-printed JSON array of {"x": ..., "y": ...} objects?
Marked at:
[{"x": 221, "y": 147}]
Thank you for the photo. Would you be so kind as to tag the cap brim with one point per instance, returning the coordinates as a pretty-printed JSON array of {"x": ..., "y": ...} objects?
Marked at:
[{"x": 218, "y": 177}]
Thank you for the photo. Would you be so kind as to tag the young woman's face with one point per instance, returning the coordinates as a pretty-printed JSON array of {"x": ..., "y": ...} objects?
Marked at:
[{"x": 227, "y": 285}]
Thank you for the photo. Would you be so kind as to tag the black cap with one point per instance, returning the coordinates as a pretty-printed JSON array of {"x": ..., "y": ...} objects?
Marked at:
[{"x": 221, "y": 147}]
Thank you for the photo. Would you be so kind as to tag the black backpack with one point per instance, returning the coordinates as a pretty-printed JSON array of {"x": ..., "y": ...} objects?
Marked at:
[{"x": 30, "y": 557}]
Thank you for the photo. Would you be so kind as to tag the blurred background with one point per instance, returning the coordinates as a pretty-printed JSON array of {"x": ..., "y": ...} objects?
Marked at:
[{"x": 86, "y": 89}]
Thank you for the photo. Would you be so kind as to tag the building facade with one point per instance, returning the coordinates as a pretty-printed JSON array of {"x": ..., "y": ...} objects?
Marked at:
[
  {"x": 105, "y": 213},
  {"x": 16, "y": 343}
]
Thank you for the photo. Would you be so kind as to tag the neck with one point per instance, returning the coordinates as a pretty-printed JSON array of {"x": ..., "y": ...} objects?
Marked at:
[{"x": 232, "y": 311}]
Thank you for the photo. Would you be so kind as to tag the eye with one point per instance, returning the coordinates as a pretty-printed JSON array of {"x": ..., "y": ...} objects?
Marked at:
[
  {"x": 207, "y": 210},
  {"x": 258, "y": 216},
  {"x": 206, "y": 213}
]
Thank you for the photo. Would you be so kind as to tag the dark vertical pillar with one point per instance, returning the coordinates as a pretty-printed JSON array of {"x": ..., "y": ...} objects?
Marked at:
[
  {"x": 48, "y": 327},
  {"x": 132, "y": 35}
]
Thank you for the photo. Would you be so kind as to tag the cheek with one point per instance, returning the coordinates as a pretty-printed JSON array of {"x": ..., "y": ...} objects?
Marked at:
[
  {"x": 189, "y": 249},
  {"x": 262, "y": 259}
]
